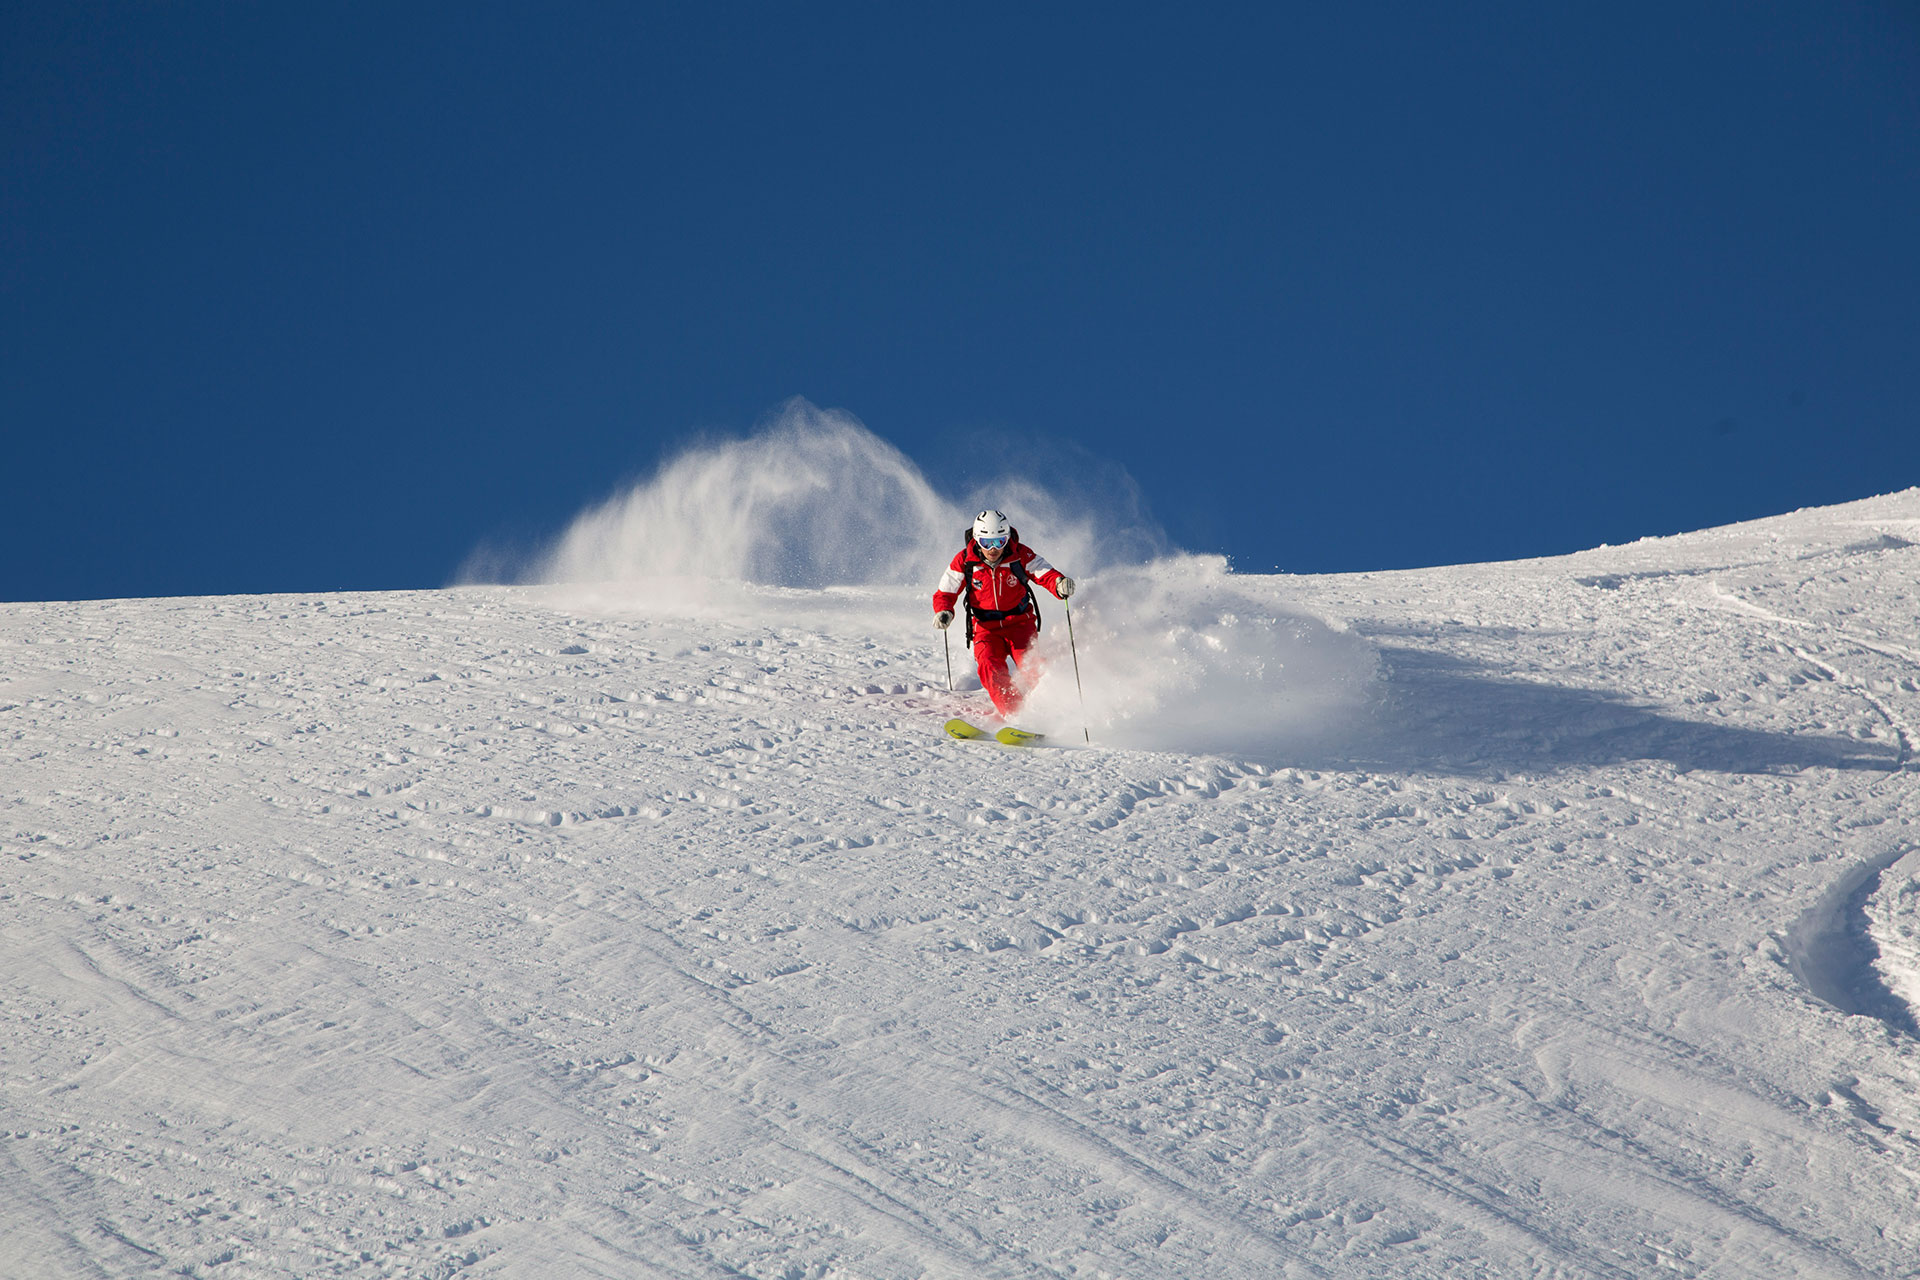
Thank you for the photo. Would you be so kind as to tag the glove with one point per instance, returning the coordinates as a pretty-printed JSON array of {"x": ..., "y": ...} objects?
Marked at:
[
  {"x": 943, "y": 619},
  {"x": 1064, "y": 587}
]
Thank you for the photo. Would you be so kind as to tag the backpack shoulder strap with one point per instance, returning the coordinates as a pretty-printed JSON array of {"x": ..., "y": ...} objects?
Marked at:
[
  {"x": 1019, "y": 568},
  {"x": 966, "y": 584}
]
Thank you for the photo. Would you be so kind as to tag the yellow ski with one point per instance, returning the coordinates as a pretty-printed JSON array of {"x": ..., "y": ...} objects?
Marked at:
[{"x": 1008, "y": 736}]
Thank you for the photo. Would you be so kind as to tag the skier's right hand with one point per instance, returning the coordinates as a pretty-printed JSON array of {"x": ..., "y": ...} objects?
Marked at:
[{"x": 943, "y": 619}]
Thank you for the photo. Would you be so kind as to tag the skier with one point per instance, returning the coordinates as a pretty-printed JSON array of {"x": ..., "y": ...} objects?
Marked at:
[{"x": 992, "y": 579}]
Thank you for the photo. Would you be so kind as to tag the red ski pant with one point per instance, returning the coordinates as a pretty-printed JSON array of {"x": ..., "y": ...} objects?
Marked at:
[{"x": 994, "y": 644}]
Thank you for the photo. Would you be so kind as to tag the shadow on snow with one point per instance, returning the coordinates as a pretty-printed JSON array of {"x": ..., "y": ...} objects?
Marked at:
[
  {"x": 1443, "y": 713},
  {"x": 1831, "y": 949}
]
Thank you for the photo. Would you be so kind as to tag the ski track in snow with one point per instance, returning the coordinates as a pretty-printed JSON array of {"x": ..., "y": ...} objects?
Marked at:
[{"x": 492, "y": 931}]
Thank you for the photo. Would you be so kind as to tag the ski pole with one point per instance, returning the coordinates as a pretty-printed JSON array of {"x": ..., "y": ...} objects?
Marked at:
[
  {"x": 1075, "y": 651},
  {"x": 946, "y": 642}
]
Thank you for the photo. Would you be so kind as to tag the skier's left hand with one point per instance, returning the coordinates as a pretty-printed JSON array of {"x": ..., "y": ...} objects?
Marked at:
[{"x": 1064, "y": 587}]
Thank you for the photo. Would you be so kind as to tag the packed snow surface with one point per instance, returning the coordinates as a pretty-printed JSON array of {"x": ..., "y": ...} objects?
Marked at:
[{"x": 1551, "y": 918}]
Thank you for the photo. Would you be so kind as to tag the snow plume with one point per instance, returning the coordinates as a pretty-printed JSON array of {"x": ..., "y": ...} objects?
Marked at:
[
  {"x": 1180, "y": 654},
  {"x": 814, "y": 500}
]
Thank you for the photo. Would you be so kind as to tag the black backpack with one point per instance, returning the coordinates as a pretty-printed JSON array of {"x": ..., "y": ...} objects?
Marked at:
[{"x": 967, "y": 566}]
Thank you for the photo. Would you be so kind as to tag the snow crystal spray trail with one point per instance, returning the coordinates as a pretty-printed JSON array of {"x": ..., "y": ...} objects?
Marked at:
[{"x": 814, "y": 499}]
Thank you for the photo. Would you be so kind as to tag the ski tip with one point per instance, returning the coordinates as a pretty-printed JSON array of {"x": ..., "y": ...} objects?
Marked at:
[{"x": 962, "y": 729}]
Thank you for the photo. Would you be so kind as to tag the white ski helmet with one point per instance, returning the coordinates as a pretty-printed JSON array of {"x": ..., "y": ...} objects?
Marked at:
[{"x": 990, "y": 529}]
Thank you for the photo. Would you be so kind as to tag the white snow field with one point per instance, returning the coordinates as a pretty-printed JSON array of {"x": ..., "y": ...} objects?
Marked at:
[{"x": 1551, "y": 918}]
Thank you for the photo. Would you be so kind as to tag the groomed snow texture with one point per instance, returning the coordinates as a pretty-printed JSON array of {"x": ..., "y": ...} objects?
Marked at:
[{"x": 1546, "y": 919}]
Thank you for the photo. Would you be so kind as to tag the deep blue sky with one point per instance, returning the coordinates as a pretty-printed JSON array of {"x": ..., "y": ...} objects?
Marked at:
[{"x": 297, "y": 297}]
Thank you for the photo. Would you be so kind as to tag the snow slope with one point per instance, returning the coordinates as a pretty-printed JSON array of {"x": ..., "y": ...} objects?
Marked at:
[{"x": 1550, "y": 918}]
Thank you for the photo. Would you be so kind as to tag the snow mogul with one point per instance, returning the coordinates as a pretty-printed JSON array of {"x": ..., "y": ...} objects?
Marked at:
[{"x": 992, "y": 578}]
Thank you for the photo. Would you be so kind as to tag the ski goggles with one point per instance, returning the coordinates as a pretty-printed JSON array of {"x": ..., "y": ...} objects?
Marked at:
[{"x": 996, "y": 542}]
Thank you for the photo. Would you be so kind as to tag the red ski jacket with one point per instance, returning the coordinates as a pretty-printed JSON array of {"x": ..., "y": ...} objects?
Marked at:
[{"x": 996, "y": 588}]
